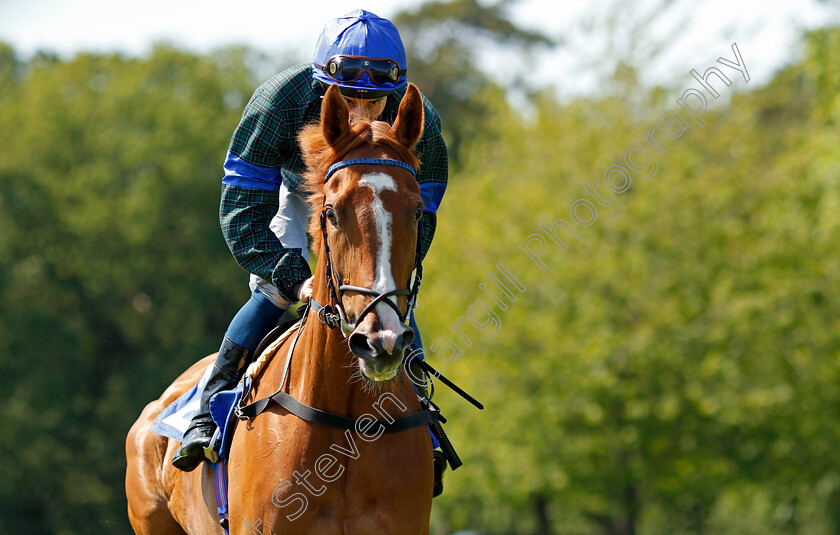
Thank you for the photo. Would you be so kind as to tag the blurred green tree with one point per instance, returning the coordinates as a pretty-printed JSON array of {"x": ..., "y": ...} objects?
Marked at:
[
  {"x": 113, "y": 274},
  {"x": 683, "y": 350},
  {"x": 444, "y": 43}
]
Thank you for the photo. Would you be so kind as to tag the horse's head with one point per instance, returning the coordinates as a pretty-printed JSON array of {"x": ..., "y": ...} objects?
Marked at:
[{"x": 365, "y": 218}]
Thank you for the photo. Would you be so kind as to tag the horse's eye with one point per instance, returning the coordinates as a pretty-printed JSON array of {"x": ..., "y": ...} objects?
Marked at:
[
  {"x": 330, "y": 213},
  {"x": 418, "y": 214}
]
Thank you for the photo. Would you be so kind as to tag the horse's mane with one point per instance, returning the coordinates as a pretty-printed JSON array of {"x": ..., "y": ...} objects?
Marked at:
[{"x": 318, "y": 155}]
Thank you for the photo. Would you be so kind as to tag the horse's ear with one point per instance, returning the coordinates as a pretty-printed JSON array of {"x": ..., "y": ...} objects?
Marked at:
[
  {"x": 335, "y": 118},
  {"x": 408, "y": 127}
]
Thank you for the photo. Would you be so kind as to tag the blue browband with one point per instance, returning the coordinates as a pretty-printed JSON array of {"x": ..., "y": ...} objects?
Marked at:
[{"x": 376, "y": 161}]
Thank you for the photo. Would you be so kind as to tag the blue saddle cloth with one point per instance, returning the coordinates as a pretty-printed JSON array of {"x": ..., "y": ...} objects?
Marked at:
[
  {"x": 222, "y": 406},
  {"x": 173, "y": 421}
]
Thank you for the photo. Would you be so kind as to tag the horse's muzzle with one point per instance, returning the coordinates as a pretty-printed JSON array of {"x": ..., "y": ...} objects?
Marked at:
[{"x": 381, "y": 350}]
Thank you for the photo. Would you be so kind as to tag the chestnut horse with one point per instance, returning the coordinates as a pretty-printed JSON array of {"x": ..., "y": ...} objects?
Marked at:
[{"x": 287, "y": 475}]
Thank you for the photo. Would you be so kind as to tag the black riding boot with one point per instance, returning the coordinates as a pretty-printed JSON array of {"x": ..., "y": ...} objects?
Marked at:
[
  {"x": 421, "y": 387},
  {"x": 200, "y": 431}
]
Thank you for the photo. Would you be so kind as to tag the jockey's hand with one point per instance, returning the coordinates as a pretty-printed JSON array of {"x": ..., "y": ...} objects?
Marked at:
[{"x": 304, "y": 291}]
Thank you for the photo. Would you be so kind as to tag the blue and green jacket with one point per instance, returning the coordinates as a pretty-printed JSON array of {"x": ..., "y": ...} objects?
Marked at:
[{"x": 264, "y": 153}]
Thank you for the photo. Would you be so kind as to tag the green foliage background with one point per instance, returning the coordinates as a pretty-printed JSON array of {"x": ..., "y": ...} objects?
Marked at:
[{"x": 674, "y": 371}]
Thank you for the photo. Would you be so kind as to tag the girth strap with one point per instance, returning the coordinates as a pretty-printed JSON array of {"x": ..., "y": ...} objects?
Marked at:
[{"x": 317, "y": 416}]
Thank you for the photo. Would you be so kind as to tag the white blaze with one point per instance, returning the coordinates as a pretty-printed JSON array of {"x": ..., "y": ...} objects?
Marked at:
[{"x": 384, "y": 278}]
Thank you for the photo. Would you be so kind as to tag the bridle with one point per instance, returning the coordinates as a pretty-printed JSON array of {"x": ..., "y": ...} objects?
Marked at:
[{"x": 333, "y": 314}]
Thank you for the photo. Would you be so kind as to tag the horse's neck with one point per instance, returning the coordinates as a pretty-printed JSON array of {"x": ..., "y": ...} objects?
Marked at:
[{"x": 321, "y": 373}]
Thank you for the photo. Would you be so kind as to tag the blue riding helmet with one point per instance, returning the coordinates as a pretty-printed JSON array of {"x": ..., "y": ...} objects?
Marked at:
[{"x": 362, "y": 53}]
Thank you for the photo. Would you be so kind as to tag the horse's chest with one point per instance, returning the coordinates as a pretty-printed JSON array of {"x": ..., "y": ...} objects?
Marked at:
[{"x": 321, "y": 481}]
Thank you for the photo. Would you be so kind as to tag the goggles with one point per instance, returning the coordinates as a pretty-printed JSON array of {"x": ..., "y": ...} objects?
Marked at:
[{"x": 349, "y": 69}]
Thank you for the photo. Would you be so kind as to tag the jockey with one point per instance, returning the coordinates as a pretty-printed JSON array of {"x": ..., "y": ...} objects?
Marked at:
[{"x": 263, "y": 213}]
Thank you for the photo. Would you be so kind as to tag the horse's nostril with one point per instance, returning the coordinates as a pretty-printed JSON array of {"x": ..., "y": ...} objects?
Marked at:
[
  {"x": 361, "y": 346},
  {"x": 404, "y": 340}
]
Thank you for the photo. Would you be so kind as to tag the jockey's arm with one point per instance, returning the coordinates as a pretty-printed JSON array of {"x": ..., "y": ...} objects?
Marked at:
[
  {"x": 433, "y": 175},
  {"x": 245, "y": 214},
  {"x": 250, "y": 195}
]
